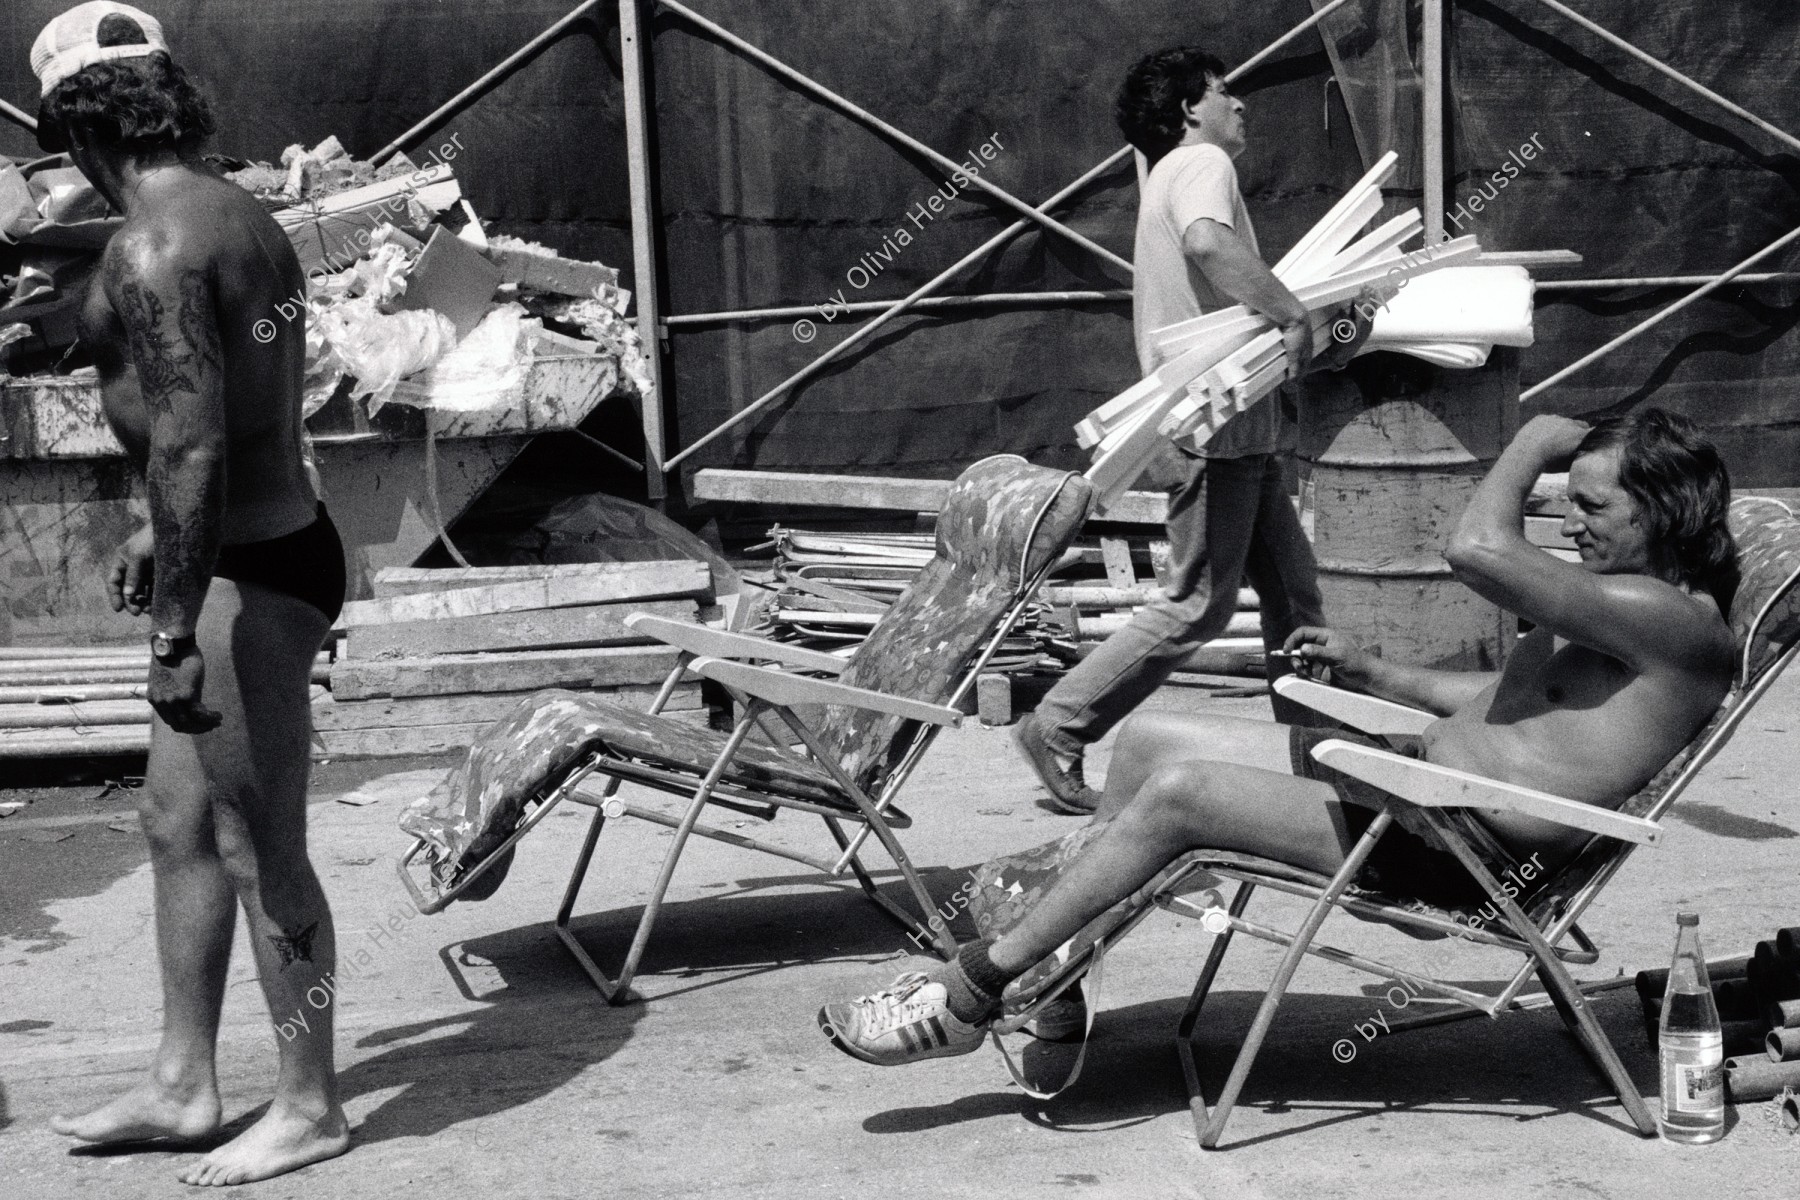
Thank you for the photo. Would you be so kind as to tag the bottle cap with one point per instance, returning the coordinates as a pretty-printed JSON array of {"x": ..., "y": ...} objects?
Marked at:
[{"x": 1687, "y": 918}]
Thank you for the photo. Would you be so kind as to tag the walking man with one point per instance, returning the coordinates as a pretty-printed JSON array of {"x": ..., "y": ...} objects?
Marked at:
[
  {"x": 1229, "y": 512},
  {"x": 240, "y": 569}
]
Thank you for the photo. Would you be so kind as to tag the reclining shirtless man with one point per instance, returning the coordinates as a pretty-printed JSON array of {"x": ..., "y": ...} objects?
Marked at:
[
  {"x": 241, "y": 571},
  {"x": 1629, "y": 656}
]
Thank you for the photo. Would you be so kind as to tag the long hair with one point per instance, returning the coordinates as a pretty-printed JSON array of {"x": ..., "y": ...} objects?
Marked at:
[
  {"x": 1683, "y": 492},
  {"x": 134, "y": 104},
  {"x": 1148, "y": 107}
]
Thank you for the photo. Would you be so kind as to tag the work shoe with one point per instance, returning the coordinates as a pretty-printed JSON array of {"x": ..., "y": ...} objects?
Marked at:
[
  {"x": 1064, "y": 1019},
  {"x": 1069, "y": 792},
  {"x": 909, "y": 1021}
]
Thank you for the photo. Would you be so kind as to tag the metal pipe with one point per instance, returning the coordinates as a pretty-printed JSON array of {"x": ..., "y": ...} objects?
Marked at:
[
  {"x": 634, "y": 54},
  {"x": 620, "y": 455},
  {"x": 485, "y": 81},
  {"x": 990, "y": 299},
  {"x": 897, "y": 134},
  {"x": 1657, "y": 281},
  {"x": 1658, "y": 64},
  {"x": 1431, "y": 48},
  {"x": 1645, "y": 326},
  {"x": 20, "y": 115},
  {"x": 769, "y": 397},
  {"x": 867, "y": 331}
]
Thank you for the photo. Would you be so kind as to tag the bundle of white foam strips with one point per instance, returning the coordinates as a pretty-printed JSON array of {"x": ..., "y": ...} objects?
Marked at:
[{"x": 1218, "y": 365}]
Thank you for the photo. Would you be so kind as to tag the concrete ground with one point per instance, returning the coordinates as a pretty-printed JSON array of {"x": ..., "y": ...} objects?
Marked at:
[{"x": 477, "y": 1060}]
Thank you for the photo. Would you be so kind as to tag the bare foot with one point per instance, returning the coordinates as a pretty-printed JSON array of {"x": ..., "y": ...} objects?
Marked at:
[
  {"x": 283, "y": 1140},
  {"x": 145, "y": 1112}
]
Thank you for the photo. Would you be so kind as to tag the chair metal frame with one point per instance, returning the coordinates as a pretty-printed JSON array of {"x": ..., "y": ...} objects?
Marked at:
[
  {"x": 762, "y": 695},
  {"x": 1443, "y": 798}
]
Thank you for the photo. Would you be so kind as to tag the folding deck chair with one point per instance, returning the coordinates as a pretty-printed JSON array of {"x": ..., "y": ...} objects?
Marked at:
[
  {"x": 868, "y": 720},
  {"x": 1765, "y": 623}
]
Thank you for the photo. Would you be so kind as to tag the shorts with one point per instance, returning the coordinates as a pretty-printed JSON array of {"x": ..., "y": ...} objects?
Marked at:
[
  {"x": 307, "y": 564},
  {"x": 1403, "y": 865}
]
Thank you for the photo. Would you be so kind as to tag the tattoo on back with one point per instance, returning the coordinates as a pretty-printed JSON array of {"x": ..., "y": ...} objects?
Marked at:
[{"x": 294, "y": 945}]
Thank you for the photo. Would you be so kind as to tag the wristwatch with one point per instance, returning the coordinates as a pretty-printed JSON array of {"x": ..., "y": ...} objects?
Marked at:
[{"x": 169, "y": 650}]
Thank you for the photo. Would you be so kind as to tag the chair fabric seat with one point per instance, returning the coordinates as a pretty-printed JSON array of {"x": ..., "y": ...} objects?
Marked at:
[{"x": 547, "y": 735}]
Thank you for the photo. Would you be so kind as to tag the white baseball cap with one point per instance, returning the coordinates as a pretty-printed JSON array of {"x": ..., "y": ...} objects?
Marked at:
[{"x": 99, "y": 31}]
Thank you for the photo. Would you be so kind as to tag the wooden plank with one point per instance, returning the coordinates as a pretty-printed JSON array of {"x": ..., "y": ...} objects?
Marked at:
[
  {"x": 1547, "y": 532},
  {"x": 1372, "y": 179},
  {"x": 409, "y": 581},
  {"x": 72, "y": 716},
  {"x": 539, "y": 629},
  {"x": 68, "y": 743},
  {"x": 614, "y": 582},
  {"x": 873, "y": 492},
  {"x": 409, "y": 712},
  {"x": 522, "y": 671},
  {"x": 1116, "y": 554}
]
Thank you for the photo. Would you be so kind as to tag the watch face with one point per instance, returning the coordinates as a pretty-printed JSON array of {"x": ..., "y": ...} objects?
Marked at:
[{"x": 160, "y": 645}]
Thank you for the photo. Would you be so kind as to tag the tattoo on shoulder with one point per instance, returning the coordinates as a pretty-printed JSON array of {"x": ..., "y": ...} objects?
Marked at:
[
  {"x": 168, "y": 357},
  {"x": 294, "y": 945}
]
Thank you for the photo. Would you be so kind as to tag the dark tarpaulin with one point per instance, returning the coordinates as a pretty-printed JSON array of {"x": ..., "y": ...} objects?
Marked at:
[
  {"x": 767, "y": 198},
  {"x": 1638, "y": 175}
]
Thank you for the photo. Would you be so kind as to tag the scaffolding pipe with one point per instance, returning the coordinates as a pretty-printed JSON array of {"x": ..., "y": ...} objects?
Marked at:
[
  {"x": 987, "y": 300},
  {"x": 1658, "y": 281},
  {"x": 1658, "y": 64},
  {"x": 20, "y": 115},
  {"x": 1431, "y": 94},
  {"x": 767, "y": 398},
  {"x": 1645, "y": 326},
  {"x": 486, "y": 81},
  {"x": 899, "y": 135},
  {"x": 634, "y": 55}
]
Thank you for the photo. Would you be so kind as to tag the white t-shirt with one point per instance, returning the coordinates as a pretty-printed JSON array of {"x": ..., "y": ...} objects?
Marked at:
[{"x": 1186, "y": 185}]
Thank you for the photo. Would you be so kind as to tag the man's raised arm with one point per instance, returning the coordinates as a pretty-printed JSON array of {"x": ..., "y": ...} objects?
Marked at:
[
  {"x": 1633, "y": 617},
  {"x": 163, "y": 297}
]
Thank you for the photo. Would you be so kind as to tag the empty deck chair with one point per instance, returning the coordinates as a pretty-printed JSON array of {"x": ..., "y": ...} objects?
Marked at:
[
  {"x": 1540, "y": 924},
  {"x": 867, "y": 722}
]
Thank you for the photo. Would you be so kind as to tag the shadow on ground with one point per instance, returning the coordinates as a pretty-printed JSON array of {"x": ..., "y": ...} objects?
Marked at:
[
  {"x": 1525, "y": 1066},
  {"x": 542, "y": 1024}
]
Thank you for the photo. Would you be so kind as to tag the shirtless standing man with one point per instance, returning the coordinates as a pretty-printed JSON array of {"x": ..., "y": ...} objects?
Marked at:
[
  {"x": 241, "y": 571},
  {"x": 1629, "y": 656}
]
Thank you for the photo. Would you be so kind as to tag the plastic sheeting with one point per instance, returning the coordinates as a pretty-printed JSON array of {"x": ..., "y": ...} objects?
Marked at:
[{"x": 767, "y": 198}]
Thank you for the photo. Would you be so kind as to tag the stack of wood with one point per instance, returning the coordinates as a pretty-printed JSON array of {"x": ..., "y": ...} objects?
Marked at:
[
  {"x": 74, "y": 701},
  {"x": 439, "y": 655},
  {"x": 828, "y": 589},
  {"x": 1216, "y": 366},
  {"x": 1758, "y": 998}
]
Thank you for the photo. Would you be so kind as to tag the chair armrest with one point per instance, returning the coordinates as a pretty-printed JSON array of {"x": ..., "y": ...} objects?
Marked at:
[
  {"x": 722, "y": 643},
  {"x": 1367, "y": 713},
  {"x": 1431, "y": 786},
  {"x": 779, "y": 687}
]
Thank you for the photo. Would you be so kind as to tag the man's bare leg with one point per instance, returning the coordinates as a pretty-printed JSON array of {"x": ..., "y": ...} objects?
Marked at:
[
  {"x": 196, "y": 912},
  {"x": 1178, "y": 784},
  {"x": 1162, "y": 799},
  {"x": 259, "y": 647}
]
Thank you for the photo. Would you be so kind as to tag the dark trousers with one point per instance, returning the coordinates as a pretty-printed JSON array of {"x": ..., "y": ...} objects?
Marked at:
[{"x": 1230, "y": 519}]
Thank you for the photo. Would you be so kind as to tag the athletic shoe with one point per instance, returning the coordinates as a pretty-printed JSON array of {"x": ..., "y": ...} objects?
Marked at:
[
  {"x": 1064, "y": 1019},
  {"x": 909, "y": 1021},
  {"x": 1069, "y": 792}
]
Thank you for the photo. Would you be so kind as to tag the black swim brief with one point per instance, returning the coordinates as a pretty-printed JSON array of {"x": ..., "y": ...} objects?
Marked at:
[
  {"x": 307, "y": 564},
  {"x": 1403, "y": 864}
]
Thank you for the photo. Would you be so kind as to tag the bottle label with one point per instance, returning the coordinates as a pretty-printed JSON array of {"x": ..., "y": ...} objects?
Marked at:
[{"x": 1694, "y": 1086}]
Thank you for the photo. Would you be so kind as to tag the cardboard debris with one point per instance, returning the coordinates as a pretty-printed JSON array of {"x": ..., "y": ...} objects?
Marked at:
[{"x": 452, "y": 277}]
